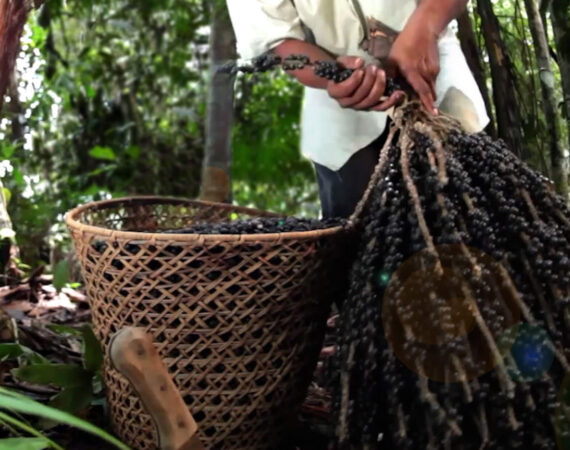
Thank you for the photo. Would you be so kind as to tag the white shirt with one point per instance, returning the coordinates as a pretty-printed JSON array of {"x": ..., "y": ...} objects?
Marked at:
[{"x": 330, "y": 134}]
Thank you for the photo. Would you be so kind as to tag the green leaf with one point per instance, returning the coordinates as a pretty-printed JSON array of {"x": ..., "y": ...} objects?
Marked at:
[
  {"x": 8, "y": 151},
  {"x": 91, "y": 349},
  {"x": 64, "y": 329},
  {"x": 24, "y": 405},
  {"x": 104, "y": 169},
  {"x": 12, "y": 423},
  {"x": 92, "y": 190},
  {"x": 19, "y": 178},
  {"x": 24, "y": 444},
  {"x": 22, "y": 265},
  {"x": 134, "y": 152},
  {"x": 39, "y": 35},
  {"x": 90, "y": 91},
  {"x": 12, "y": 351},
  {"x": 105, "y": 153},
  {"x": 7, "y": 193},
  {"x": 61, "y": 375},
  {"x": 72, "y": 400},
  {"x": 61, "y": 275}
]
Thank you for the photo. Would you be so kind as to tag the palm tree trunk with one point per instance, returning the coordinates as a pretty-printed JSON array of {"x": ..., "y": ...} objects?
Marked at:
[
  {"x": 504, "y": 95},
  {"x": 547, "y": 82},
  {"x": 560, "y": 17},
  {"x": 473, "y": 55},
  {"x": 216, "y": 179}
]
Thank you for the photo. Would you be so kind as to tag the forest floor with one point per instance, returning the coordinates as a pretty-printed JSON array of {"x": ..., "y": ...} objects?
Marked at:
[{"x": 36, "y": 316}]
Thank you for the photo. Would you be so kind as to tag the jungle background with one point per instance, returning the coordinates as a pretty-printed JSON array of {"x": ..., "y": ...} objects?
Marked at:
[{"x": 118, "y": 97}]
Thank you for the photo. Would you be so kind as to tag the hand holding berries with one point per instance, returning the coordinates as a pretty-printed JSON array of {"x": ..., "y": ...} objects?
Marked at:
[{"x": 364, "y": 89}]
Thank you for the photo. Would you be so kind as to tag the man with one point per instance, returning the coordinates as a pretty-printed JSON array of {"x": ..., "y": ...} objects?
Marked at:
[{"x": 344, "y": 124}]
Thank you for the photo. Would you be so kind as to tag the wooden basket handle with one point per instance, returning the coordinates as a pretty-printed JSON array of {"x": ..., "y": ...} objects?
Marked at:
[{"x": 134, "y": 356}]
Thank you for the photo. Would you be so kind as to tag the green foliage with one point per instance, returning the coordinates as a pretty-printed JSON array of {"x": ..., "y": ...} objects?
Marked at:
[
  {"x": 61, "y": 274},
  {"x": 80, "y": 385},
  {"x": 91, "y": 350},
  {"x": 517, "y": 36},
  {"x": 13, "y": 351},
  {"x": 268, "y": 169},
  {"x": 103, "y": 153},
  {"x": 102, "y": 84},
  {"x": 25, "y": 443},
  {"x": 17, "y": 403},
  {"x": 111, "y": 102},
  {"x": 60, "y": 375}
]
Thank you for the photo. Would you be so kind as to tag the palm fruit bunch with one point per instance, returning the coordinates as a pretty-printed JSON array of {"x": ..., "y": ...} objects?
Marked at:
[{"x": 454, "y": 333}]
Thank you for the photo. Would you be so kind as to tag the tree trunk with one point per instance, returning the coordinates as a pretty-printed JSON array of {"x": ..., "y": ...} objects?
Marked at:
[
  {"x": 560, "y": 16},
  {"x": 13, "y": 14},
  {"x": 216, "y": 184},
  {"x": 504, "y": 95},
  {"x": 547, "y": 82},
  {"x": 473, "y": 56},
  {"x": 544, "y": 7}
]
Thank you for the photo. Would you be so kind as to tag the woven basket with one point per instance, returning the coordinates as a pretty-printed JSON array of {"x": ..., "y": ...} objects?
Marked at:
[{"x": 238, "y": 319}]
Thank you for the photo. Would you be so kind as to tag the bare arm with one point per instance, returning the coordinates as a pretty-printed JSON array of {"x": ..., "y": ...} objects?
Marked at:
[
  {"x": 415, "y": 52},
  {"x": 436, "y": 15},
  {"x": 306, "y": 76}
]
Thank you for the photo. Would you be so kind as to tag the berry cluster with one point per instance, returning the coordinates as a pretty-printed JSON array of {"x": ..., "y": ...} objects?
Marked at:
[
  {"x": 333, "y": 71},
  {"x": 330, "y": 70},
  {"x": 260, "y": 226},
  {"x": 454, "y": 333}
]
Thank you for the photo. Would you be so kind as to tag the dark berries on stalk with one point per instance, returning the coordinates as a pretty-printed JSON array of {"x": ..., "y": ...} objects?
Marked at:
[
  {"x": 417, "y": 349},
  {"x": 331, "y": 70}
]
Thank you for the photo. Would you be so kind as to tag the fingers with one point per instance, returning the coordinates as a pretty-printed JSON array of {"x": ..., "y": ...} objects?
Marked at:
[
  {"x": 392, "y": 101},
  {"x": 347, "y": 87},
  {"x": 375, "y": 93},
  {"x": 429, "y": 73},
  {"x": 363, "y": 91},
  {"x": 423, "y": 89},
  {"x": 351, "y": 62}
]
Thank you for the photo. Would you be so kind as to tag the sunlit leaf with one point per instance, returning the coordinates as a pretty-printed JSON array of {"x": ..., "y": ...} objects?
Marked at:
[
  {"x": 7, "y": 194},
  {"x": 105, "y": 153},
  {"x": 39, "y": 35},
  {"x": 63, "y": 329},
  {"x": 7, "y": 150},
  {"x": 18, "y": 178},
  {"x": 24, "y": 444},
  {"x": 90, "y": 91}
]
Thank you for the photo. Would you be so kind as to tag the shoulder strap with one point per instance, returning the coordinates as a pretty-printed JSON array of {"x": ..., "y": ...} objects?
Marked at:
[
  {"x": 362, "y": 17},
  {"x": 309, "y": 35}
]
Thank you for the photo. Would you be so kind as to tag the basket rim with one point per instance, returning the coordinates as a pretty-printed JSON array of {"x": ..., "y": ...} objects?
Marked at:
[{"x": 74, "y": 224}]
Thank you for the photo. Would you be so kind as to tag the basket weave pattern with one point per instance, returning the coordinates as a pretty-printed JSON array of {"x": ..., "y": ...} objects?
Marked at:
[{"x": 238, "y": 321}]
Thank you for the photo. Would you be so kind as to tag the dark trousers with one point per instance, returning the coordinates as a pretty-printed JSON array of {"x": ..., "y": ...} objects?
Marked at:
[{"x": 340, "y": 191}]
